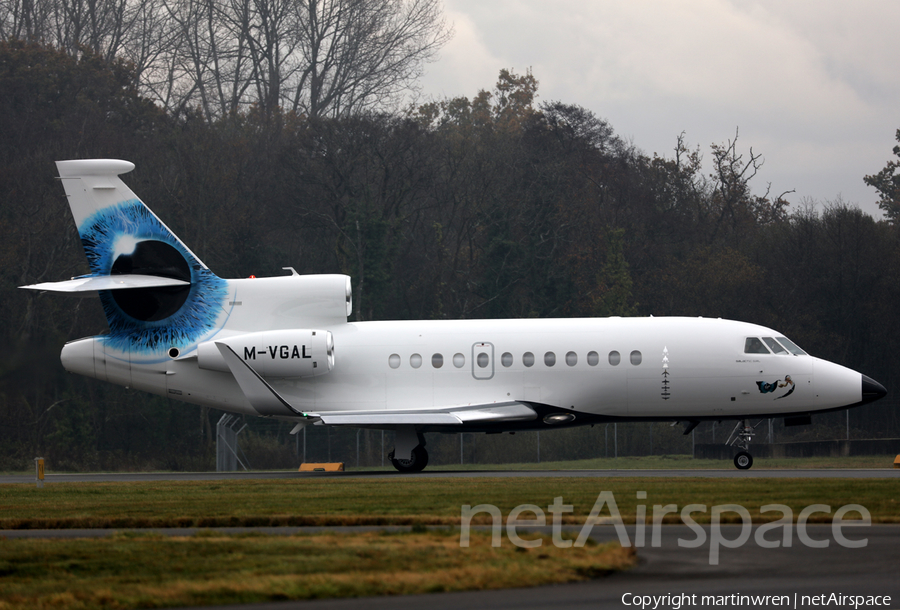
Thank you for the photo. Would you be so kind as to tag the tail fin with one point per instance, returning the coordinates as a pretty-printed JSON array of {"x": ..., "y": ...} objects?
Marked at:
[
  {"x": 120, "y": 235},
  {"x": 155, "y": 291}
]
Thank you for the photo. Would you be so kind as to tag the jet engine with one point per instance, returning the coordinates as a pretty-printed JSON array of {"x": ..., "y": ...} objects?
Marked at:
[{"x": 275, "y": 353}]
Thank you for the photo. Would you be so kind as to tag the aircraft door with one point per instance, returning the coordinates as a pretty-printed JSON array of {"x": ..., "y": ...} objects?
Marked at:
[{"x": 483, "y": 360}]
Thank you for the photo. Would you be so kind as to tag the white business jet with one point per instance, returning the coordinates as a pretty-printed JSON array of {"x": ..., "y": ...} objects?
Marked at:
[{"x": 282, "y": 347}]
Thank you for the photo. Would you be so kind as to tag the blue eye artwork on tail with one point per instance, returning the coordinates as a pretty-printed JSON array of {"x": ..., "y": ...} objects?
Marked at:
[{"x": 128, "y": 239}]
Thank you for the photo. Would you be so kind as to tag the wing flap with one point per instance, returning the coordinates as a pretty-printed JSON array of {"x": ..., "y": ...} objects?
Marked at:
[
  {"x": 374, "y": 418},
  {"x": 514, "y": 411},
  {"x": 443, "y": 416}
]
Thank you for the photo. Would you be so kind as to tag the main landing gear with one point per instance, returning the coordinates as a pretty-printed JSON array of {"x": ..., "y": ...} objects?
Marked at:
[
  {"x": 741, "y": 437},
  {"x": 416, "y": 463},
  {"x": 409, "y": 442}
]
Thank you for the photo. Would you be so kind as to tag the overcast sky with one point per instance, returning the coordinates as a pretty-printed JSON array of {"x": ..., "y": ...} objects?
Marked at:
[{"x": 813, "y": 85}]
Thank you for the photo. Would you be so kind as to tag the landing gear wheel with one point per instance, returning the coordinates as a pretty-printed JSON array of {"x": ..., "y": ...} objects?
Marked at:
[
  {"x": 416, "y": 463},
  {"x": 743, "y": 460}
]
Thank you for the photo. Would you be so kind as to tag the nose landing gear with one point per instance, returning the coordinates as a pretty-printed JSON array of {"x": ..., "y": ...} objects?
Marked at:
[
  {"x": 743, "y": 460},
  {"x": 741, "y": 437}
]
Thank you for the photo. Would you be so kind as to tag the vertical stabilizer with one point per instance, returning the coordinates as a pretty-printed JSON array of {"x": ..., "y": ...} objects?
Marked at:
[
  {"x": 166, "y": 297},
  {"x": 104, "y": 207}
]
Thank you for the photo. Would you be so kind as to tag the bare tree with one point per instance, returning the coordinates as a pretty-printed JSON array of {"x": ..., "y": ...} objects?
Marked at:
[
  {"x": 363, "y": 53},
  {"x": 133, "y": 30},
  {"x": 24, "y": 19},
  {"x": 196, "y": 64},
  {"x": 732, "y": 195},
  {"x": 315, "y": 57},
  {"x": 147, "y": 45}
]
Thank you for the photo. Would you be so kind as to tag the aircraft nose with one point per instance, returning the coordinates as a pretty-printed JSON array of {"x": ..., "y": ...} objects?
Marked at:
[{"x": 872, "y": 390}]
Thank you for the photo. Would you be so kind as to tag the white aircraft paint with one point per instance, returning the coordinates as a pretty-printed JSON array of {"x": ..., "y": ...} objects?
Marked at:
[{"x": 282, "y": 347}]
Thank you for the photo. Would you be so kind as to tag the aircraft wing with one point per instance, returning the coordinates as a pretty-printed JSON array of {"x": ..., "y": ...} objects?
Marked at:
[
  {"x": 91, "y": 284},
  {"x": 266, "y": 400},
  {"x": 444, "y": 416}
]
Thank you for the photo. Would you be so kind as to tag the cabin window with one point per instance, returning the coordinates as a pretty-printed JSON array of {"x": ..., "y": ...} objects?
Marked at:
[
  {"x": 791, "y": 346},
  {"x": 506, "y": 359},
  {"x": 593, "y": 358},
  {"x": 459, "y": 361},
  {"x": 482, "y": 359},
  {"x": 549, "y": 359},
  {"x": 415, "y": 361},
  {"x": 773, "y": 345},
  {"x": 394, "y": 361},
  {"x": 437, "y": 361},
  {"x": 528, "y": 359},
  {"x": 754, "y": 346},
  {"x": 636, "y": 357},
  {"x": 571, "y": 358},
  {"x": 615, "y": 358}
]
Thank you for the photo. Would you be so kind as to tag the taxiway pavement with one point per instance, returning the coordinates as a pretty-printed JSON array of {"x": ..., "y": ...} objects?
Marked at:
[{"x": 727, "y": 473}]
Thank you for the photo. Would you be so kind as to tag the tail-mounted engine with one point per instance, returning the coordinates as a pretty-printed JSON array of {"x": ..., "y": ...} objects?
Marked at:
[{"x": 275, "y": 353}]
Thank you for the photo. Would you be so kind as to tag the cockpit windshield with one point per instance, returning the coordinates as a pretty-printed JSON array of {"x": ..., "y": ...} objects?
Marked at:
[
  {"x": 791, "y": 346},
  {"x": 754, "y": 346},
  {"x": 772, "y": 345}
]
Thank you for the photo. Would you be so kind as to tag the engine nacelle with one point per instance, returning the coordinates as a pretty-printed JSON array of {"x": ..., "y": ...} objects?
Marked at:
[{"x": 275, "y": 353}]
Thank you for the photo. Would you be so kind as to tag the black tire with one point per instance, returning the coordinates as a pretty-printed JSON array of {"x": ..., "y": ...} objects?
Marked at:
[
  {"x": 743, "y": 461},
  {"x": 416, "y": 463}
]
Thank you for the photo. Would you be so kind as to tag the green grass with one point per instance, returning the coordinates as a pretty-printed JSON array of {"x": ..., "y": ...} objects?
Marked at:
[
  {"x": 404, "y": 500},
  {"x": 143, "y": 569},
  {"x": 146, "y": 571}
]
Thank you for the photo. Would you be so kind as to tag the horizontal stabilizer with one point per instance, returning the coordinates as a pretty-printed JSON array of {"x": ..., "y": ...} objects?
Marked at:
[
  {"x": 90, "y": 285},
  {"x": 444, "y": 416}
]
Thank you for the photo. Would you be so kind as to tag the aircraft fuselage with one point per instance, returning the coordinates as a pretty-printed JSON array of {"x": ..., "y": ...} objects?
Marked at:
[{"x": 623, "y": 368}]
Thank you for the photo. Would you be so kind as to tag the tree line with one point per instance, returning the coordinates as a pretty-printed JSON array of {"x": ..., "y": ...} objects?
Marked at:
[
  {"x": 311, "y": 57},
  {"x": 494, "y": 206}
]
